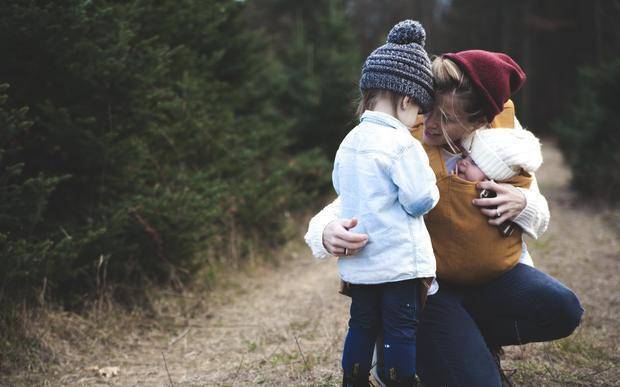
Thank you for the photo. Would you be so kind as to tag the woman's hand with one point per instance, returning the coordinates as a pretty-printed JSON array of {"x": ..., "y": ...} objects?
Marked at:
[
  {"x": 337, "y": 238},
  {"x": 509, "y": 202}
]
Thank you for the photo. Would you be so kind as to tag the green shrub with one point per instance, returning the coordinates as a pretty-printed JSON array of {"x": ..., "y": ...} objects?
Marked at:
[
  {"x": 590, "y": 134},
  {"x": 154, "y": 138}
]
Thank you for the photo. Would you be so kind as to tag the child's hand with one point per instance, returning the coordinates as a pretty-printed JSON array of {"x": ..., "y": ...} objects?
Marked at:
[
  {"x": 509, "y": 202},
  {"x": 339, "y": 241}
]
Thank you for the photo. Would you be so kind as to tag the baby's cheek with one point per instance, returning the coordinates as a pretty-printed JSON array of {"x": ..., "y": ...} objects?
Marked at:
[{"x": 477, "y": 174}]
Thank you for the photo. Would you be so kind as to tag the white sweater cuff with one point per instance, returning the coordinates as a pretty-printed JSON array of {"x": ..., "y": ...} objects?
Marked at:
[
  {"x": 534, "y": 218},
  {"x": 314, "y": 236}
]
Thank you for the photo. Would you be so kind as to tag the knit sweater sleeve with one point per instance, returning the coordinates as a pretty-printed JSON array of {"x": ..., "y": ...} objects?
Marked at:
[
  {"x": 534, "y": 218},
  {"x": 314, "y": 235}
]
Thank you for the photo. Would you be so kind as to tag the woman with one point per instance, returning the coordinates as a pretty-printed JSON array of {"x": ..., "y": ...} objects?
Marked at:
[{"x": 463, "y": 327}]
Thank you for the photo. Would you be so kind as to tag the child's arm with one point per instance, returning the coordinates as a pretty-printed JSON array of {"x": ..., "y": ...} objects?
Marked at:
[
  {"x": 412, "y": 174},
  {"x": 335, "y": 175}
]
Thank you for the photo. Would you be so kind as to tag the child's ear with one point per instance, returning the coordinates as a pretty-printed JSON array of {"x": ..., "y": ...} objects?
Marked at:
[
  {"x": 404, "y": 102},
  {"x": 407, "y": 101}
]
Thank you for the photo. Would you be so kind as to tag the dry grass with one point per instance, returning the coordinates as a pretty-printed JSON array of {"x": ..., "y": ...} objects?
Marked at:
[
  {"x": 283, "y": 325},
  {"x": 581, "y": 249}
]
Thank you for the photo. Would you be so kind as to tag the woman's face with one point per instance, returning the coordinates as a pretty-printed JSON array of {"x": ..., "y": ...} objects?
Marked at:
[{"x": 449, "y": 114}]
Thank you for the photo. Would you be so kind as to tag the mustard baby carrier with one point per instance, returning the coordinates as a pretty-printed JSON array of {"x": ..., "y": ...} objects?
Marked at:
[{"x": 467, "y": 248}]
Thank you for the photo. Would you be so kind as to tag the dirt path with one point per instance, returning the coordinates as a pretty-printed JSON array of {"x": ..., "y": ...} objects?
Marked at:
[{"x": 285, "y": 326}]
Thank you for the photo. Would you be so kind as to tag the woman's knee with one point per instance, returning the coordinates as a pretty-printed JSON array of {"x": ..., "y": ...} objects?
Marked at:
[
  {"x": 564, "y": 311},
  {"x": 568, "y": 311}
]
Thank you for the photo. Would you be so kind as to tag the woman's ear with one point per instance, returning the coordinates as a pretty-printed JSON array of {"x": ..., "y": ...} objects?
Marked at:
[
  {"x": 478, "y": 124},
  {"x": 483, "y": 122}
]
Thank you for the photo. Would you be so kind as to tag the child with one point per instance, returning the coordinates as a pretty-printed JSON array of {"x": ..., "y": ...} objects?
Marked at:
[
  {"x": 384, "y": 180},
  {"x": 503, "y": 155}
]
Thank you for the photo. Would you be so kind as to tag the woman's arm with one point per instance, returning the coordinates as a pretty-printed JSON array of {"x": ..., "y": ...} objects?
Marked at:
[
  {"x": 328, "y": 235},
  {"x": 526, "y": 207},
  {"x": 534, "y": 218}
]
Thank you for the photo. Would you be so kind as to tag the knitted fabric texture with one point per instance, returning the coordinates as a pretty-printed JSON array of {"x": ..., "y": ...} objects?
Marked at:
[
  {"x": 502, "y": 153},
  {"x": 401, "y": 65},
  {"x": 495, "y": 75}
]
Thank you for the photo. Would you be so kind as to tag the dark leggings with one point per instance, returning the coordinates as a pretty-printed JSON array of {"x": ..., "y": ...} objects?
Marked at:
[
  {"x": 459, "y": 324},
  {"x": 390, "y": 309}
]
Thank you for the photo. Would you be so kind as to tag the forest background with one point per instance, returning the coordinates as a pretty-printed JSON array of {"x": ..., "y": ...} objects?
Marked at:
[{"x": 150, "y": 143}]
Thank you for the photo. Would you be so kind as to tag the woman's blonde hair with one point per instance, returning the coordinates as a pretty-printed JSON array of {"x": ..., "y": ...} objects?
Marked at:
[{"x": 454, "y": 88}]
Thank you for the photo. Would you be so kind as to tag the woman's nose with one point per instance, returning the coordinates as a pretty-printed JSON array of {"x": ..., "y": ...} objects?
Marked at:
[{"x": 430, "y": 120}]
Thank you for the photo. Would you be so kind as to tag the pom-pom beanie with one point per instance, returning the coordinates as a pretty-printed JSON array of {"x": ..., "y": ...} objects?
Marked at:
[{"x": 401, "y": 65}]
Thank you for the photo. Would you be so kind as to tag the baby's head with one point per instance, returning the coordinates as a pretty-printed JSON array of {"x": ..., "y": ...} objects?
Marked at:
[
  {"x": 467, "y": 169},
  {"x": 499, "y": 154}
]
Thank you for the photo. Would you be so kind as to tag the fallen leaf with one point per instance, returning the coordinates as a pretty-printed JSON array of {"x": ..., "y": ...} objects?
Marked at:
[{"x": 108, "y": 372}]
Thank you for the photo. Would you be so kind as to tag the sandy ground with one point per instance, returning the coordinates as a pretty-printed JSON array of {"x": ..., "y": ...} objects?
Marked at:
[{"x": 284, "y": 326}]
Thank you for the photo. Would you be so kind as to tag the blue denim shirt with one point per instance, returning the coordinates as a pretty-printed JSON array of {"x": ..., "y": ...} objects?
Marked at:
[{"x": 383, "y": 177}]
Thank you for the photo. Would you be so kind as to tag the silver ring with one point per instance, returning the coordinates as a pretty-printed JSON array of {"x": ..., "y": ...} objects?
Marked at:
[
  {"x": 346, "y": 251},
  {"x": 498, "y": 213}
]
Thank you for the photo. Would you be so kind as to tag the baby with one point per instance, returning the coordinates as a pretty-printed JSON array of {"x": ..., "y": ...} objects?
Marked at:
[{"x": 500, "y": 154}]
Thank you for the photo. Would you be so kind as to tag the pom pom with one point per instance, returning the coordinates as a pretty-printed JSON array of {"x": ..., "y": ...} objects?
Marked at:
[{"x": 407, "y": 32}]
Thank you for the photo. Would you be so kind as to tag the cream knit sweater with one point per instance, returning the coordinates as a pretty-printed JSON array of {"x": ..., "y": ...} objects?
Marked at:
[{"x": 534, "y": 219}]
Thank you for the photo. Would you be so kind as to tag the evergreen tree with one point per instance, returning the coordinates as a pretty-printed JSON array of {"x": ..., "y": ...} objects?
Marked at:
[
  {"x": 315, "y": 43},
  {"x": 589, "y": 136},
  {"x": 23, "y": 201},
  {"x": 154, "y": 141}
]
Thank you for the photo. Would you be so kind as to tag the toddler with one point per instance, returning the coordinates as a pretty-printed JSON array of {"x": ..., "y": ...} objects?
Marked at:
[{"x": 384, "y": 180}]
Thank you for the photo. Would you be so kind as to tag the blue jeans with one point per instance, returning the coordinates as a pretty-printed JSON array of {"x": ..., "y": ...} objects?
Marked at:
[
  {"x": 391, "y": 309},
  {"x": 459, "y": 324}
]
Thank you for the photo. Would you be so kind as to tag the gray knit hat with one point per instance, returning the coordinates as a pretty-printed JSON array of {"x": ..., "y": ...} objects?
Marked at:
[{"x": 401, "y": 65}]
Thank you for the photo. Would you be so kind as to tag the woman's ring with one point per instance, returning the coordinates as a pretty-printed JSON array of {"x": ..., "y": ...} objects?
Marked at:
[
  {"x": 346, "y": 251},
  {"x": 498, "y": 213}
]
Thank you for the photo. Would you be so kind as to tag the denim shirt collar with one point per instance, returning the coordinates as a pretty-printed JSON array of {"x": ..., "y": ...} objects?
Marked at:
[{"x": 382, "y": 119}]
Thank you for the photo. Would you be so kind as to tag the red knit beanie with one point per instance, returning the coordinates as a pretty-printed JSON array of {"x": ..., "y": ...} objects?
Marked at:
[{"x": 495, "y": 75}]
